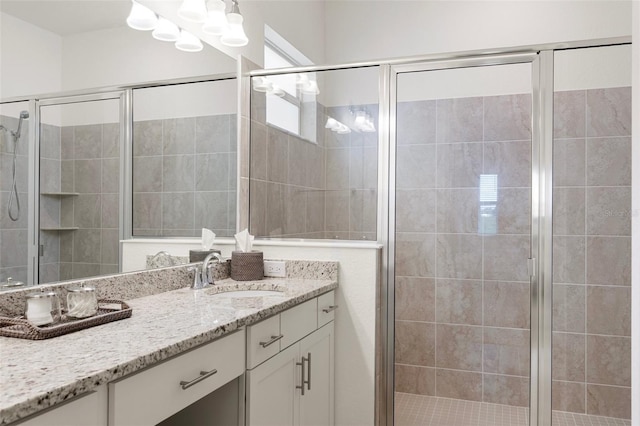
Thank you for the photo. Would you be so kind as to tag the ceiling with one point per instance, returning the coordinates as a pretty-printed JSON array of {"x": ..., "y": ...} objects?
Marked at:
[{"x": 66, "y": 17}]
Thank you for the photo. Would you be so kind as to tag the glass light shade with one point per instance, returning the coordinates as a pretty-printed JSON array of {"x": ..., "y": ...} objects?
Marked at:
[
  {"x": 234, "y": 36},
  {"x": 193, "y": 10},
  {"x": 216, "y": 22},
  {"x": 310, "y": 88},
  {"x": 262, "y": 84},
  {"x": 141, "y": 18},
  {"x": 343, "y": 129},
  {"x": 188, "y": 42},
  {"x": 360, "y": 120},
  {"x": 277, "y": 91},
  {"x": 166, "y": 30},
  {"x": 332, "y": 123}
]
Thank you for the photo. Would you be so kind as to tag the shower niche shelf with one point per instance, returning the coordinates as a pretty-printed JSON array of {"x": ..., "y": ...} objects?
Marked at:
[
  {"x": 60, "y": 194},
  {"x": 61, "y": 228}
]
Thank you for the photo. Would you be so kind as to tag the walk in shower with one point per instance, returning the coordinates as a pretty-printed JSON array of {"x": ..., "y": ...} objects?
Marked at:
[{"x": 502, "y": 186}]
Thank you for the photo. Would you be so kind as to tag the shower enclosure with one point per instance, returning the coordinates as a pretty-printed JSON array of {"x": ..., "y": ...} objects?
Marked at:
[{"x": 503, "y": 209}]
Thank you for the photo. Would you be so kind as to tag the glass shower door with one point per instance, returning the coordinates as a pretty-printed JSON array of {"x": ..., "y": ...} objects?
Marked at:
[
  {"x": 462, "y": 240},
  {"x": 79, "y": 185}
]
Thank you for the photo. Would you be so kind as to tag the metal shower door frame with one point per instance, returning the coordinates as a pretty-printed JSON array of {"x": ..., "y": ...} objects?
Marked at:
[
  {"x": 540, "y": 237},
  {"x": 124, "y": 198}
]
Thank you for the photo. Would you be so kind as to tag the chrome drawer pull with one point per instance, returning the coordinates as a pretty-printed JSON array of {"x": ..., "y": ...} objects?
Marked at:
[
  {"x": 330, "y": 309},
  {"x": 308, "y": 370},
  {"x": 272, "y": 341},
  {"x": 203, "y": 375}
]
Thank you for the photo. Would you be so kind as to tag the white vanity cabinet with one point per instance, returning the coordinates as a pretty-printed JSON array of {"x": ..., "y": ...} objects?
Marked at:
[
  {"x": 86, "y": 410},
  {"x": 154, "y": 394},
  {"x": 295, "y": 385}
]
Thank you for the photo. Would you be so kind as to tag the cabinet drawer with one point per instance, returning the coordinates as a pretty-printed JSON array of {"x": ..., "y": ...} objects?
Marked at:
[
  {"x": 154, "y": 394},
  {"x": 88, "y": 410},
  {"x": 263, "y": 341},
  {"x": 297, "y": 322},
  {"x": 326, "y": 308}
]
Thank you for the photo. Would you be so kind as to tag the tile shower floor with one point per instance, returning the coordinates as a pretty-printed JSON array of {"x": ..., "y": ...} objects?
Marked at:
[{"x": 420, "y": 410}]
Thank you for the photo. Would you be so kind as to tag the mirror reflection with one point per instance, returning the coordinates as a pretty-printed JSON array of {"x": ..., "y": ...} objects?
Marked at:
[
  {"x": 320, "y": 184},
  {"x": 70, "y": 46}
]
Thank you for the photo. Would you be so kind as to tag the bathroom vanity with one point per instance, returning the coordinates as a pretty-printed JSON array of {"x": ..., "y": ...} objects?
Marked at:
[{"x": 180, "y": 346}]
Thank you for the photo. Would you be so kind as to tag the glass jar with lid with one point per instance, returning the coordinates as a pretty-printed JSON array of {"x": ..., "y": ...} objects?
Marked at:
[{"x": 82, "y": 302}]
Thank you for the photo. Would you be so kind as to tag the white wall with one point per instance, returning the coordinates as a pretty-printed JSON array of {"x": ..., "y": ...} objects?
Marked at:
[
  {"x": 124, "y": 56},
  {"x": 30, "y": 61},
  {"x": 355, "y": 317},
  {"x": 385, "y": 29}
]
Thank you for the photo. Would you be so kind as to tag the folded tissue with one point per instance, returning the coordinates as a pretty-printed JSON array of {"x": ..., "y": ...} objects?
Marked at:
[
  {"x": 246, "y": 264},
  {"x": 244, "y": 241},
  {"x": 208, "y": 238}
]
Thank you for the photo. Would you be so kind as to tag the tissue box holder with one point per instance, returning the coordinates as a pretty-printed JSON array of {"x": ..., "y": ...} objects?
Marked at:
[
  {"x": 199, "y": 255},
  {"x": 247, "y": 266}
]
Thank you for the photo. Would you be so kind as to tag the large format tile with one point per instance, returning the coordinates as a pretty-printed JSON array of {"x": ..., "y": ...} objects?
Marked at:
[
  {"x": 569, "y": 162},
  {"x": 316, "y": 201},
  {"x": 569, "y": 114},
  {"x": 569, "y": 209},
  {"x": 212, "y": 171},
  {"x": 415, "y": 299},
  {"x": 211, "y": 210},
  {"x": 459, "y": 165},
  {"x": 111, "y": 175},
  {"x": 416, "y": 122},
  {"x": 459, "y": 120},
  {"x": 147, "y": 211},
  {"x": 569, "y": 308},
  {"x": 147, "y": 174},
  {"x": 459, "y": 347},
  {"x": 610, "y": 401},
  {"x": 609, "y": 161},
  {"x": 88, "y": 176},
  {"x": 510, "y": 161},
  {"x": 258, "y": 151},
  {"x": 415, "y": 255},
  {"x": 568, "y": 362},
  {"x": 111, "y": 140},
  {"x": 568, "y": 396},
  {"x": 177, "y": 210},
  {"x": 459, "y": 302},
  {"x": 459, "y": 384},
  {"x": 508, "y": 390},
  {"x": 88, "y": 141},
  {"x": 609, "y": 112},
  {"x": 212, "y": 133},
  {"x": 609, "y": 211},
  {"x": 178, "y": 135},
  {"x": 337, "y": 168},
  {"x": 178, "y": 173},
  {"x": 507, "y": 117},
  {"x": 337, "y": 211},
  {"x": 147, "y": 138},
  {"x": 277, "y": 155},
  {"x": 569, "y": 260},
  {"x": 609, "y": 360},
  {"x": 506, "y": 351},
  {"x": 458, "y": 210},
  {"x": 609, "y": 310},
  {"x": 459, "y": 256},
  {"x": 415, "y": 210},
  {"x": 110, "y": 210},
  {"x": 415, "y": 379},
  {"x": 362, "y": 210},
  {"x": 415, "y": 343},
  {"x": 415, "y": 166},
  {"x": 14, "y": 247},
  {"x": 86, "y": 243},
  {"x": 506, "y": 304},
  {"x": 87, "y": 211},
  {"x": 514, "y": 211},
  {"x": 609, "y": 260},
  {"x": 110, "y": 242},
  {"x": 505, "y": 257},
  {"x": 298, "y": 161}
]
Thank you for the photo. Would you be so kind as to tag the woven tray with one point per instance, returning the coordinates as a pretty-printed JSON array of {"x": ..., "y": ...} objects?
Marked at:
[{"x": 23, "y": 329}]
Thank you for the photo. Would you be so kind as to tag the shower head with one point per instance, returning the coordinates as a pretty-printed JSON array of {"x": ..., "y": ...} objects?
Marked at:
[{"x": 23, "y": 116}]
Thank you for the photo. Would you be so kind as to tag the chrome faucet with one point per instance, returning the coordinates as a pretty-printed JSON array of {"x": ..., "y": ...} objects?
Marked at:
[{"x": 203, "y": 274}]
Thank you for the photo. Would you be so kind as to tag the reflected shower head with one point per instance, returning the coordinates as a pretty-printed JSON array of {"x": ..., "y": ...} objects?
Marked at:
[{"x": 23, "y": 116}]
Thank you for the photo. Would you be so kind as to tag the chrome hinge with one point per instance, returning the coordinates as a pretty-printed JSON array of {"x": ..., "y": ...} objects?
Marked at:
[{"x": 531, "y": 267}]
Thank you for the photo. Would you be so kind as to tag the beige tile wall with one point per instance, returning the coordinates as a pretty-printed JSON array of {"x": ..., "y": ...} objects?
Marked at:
[
  {"x": 462, "y": 297},
  {"x": 592, "y": 252}
]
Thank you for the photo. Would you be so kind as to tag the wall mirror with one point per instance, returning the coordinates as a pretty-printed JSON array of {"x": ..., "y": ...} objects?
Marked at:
[{"x": 68, "y": 47}]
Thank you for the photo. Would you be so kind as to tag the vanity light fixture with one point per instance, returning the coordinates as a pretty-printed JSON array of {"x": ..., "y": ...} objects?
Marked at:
[
  {"x": 166, "y": 30},
  {"x": 262, "y": 84},
  {"x": 216, "y": 22},
  {"x": 363, "y": 122},
  {"x": 141, "y": 18},
  {"x": 193, "y": 10},
  {"x": 336, "y": 126},
  {"x": 306, "y": 86},
  {"x": 234, "y": 35},
  {"x": 188, "y": 42},
  {"x": 276, "y": 91}
]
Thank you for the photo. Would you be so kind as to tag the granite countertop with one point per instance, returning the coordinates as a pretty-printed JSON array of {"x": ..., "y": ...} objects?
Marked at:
[{"x": 35, "y": 375}]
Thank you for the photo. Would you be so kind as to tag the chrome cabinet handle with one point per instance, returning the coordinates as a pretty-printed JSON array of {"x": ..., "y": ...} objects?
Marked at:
[
  {"x": 308, "y": 370},
  {"x": 301, "y": 387},
  {"x": 203, "y": 375},
  {"x": 330, "y": 309},
  {"x": 272, "y": 341}
]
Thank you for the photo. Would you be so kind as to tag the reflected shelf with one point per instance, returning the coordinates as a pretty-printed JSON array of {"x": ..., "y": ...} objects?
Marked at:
[{"x": 61, "y": 194}]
